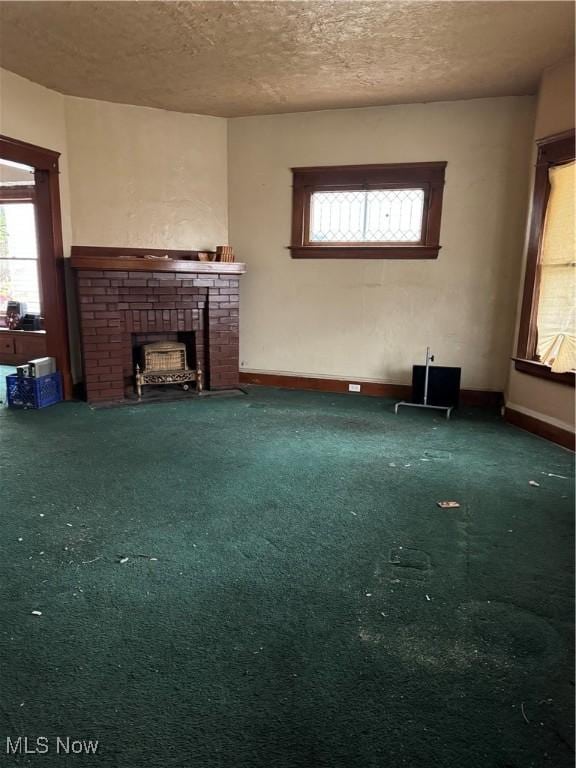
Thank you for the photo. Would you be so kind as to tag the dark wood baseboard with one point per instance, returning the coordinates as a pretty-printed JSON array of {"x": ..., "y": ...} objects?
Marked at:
[
  {"x": 562, "y": 437},
  {"x": 374, "y": 389},
  {"x": 324, "y": 385}
]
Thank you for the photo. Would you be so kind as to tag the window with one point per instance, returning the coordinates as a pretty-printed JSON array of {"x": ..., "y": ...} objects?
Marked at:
[
  {"x": 547, "y": 336},
  {"x": 18, "y": 250},
  {"x": 367, "y": 211},
  {"x": 42, "y": 166}
]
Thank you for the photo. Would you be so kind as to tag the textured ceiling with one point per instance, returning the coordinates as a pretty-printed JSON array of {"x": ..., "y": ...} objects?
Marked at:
[{"x": 245, "y": 58}]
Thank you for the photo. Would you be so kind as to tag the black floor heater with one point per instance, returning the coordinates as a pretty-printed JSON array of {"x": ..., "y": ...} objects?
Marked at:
[{"x": 434, "y": 386}]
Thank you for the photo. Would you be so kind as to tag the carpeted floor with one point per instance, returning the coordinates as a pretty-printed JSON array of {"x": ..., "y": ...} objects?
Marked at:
[
  {"x": 292, "y": 595},
  {"x": 5, "y": 370}
]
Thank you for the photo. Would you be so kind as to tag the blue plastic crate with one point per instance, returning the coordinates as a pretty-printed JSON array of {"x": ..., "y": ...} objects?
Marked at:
[{"x": 27, "y": 392}]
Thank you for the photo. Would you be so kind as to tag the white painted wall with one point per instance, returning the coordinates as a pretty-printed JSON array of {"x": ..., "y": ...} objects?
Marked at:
[{"x": 373, "y": 319}]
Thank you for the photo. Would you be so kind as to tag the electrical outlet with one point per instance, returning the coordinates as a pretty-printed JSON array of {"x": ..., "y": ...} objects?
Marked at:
[{"x": 354, "y": 387}]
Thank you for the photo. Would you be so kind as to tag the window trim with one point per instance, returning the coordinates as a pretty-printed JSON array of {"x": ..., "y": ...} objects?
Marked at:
[
  {"x": 18, "y": 193},
  {"x": 50, "y": 247},
  {"x": 552, "y": 150},
  {"x": 332, "y": 178}
]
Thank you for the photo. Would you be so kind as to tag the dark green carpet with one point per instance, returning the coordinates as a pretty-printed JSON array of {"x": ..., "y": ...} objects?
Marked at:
[
  {"x": 309, "y": 605},
  {"x": 5, "y": 370}
]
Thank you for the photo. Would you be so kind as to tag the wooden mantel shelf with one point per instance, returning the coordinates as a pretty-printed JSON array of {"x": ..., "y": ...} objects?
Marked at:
[
  {"x": 132, "y": 260},
  {"x": 155, "y": 265}
]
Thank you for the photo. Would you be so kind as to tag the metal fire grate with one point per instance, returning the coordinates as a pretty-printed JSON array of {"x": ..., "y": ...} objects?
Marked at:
[{"x": 164, "y": 362}]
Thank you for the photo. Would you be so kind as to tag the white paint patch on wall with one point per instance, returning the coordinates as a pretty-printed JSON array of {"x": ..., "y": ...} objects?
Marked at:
[
  {"x": 373, "y": 319},
  {"x": 145, "y": 177}
]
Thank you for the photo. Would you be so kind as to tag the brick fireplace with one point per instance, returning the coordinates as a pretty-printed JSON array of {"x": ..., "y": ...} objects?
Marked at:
[{"x": 127, "y": 300}]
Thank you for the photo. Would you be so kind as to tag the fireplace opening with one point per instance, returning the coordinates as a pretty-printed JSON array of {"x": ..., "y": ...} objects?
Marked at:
[{"x": 166, "y": 365}]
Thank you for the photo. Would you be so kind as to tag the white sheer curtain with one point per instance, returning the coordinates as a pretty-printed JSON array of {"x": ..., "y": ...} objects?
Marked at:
[{"x": 556, "y": 321}]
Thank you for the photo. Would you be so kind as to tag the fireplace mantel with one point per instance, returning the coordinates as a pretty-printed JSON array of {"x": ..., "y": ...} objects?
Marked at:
[
  {"x": 127, "y": 300},
  {"x": 133, "y": 260}
]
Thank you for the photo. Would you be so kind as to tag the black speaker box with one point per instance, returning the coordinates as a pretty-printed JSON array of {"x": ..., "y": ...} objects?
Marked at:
[{"x": 443, "y": 385}]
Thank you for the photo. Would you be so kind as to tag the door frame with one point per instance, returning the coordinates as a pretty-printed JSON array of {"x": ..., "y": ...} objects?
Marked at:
[{"x": 50, "y": 247}]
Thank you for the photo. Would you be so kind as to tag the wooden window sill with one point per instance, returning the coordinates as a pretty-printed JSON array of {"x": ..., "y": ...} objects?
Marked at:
[
  {"x": 364, "y": 251},
  {"x": 533, "y": 368},
  {"x": 21, "y": 331}
]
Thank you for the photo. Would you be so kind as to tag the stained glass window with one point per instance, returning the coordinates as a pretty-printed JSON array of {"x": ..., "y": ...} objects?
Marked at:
[{"x": 367, "y": 216}]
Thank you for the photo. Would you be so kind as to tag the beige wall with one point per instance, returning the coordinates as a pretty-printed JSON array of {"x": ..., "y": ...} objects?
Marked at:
[
  {"x": 32, "y": 113},
  {"x": 129, "y": 176},
  {"x": 137, "y": 176},
  {"x": 145, "y": 177},
  {"x": 35, "y": 114},
  {"x": 555, "y": 112},
  {"x": 549, "y": 402},
  {"x": 373, "y": 319},
  {"x": 365, "y": 320}
]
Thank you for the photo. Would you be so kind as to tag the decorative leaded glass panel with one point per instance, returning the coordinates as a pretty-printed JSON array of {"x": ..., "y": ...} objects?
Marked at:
[{"x": 367, "y": 216}]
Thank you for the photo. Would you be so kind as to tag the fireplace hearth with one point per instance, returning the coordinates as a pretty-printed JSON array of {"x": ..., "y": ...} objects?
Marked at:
[{"x": 128, "y": 303}]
